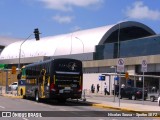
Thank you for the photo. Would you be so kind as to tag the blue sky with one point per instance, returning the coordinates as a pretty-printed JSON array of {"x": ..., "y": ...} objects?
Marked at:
[{"x": 19, "y": 18}]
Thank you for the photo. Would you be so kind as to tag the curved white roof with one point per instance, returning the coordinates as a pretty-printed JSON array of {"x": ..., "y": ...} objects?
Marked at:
[{"x": 73, "y": 43}]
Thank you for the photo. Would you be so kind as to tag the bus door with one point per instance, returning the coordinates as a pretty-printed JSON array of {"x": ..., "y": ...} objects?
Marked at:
[{"x": 41, "y": 84}]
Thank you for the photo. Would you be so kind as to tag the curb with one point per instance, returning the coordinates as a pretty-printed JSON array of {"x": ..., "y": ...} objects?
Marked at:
[
  {"x": 122, "y": 109},
  {"x": 115, "y": 108},
  {"x": 11, "y": 96}
]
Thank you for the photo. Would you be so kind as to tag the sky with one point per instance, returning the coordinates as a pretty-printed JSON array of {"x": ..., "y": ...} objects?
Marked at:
[{"x": 19, "y": 18}]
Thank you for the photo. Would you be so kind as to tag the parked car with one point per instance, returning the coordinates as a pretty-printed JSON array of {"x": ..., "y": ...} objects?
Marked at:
[
  {"x": 14, "y": 86},
  {"x": 153, "y": 96},
  {"x": 133, "y": 93}
]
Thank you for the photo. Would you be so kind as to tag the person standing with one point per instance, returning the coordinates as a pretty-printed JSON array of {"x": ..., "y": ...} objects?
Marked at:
[
  {"x": 105, "y": 89},
  {"x": 98, "y": 88}
]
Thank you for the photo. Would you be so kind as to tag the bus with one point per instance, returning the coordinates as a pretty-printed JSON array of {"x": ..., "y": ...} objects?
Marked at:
[{"x": 58, "y": 79}]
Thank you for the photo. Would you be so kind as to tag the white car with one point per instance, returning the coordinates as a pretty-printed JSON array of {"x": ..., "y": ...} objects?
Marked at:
[
  {"x": 14, "y": 86},
  {"x": 158, "y": 101}
]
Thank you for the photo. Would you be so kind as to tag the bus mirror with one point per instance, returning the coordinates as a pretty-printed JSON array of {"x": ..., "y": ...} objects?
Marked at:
[{"x": 19, "y": 76}]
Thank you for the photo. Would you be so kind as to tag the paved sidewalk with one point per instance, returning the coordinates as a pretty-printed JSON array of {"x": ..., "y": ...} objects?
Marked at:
[{"x": 101, "y": 101}]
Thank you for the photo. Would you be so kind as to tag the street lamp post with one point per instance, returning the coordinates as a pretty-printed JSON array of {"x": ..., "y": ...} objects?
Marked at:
[
  {"x": 71, "y": 44},
  {"x": 81, "y": 42},
  {"x": 118, "y": 55},
  {"x": 118, "y": 51},
  {"x": 119, "y": 26}
]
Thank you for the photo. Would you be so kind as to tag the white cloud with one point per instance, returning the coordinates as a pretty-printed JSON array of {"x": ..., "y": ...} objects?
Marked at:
[
  {"x": 63, "y": 19},
  {"x": 67, "y": 5},
  {"x": 141, "y": 11}
]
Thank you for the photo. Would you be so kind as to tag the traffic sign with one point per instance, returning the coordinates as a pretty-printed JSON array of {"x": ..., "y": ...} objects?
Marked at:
[
  {"x": 120, "y": 65},
  {"x": 101, "y": 78},
  {"x": 116, "y": 78},
  {"x": 144, "y": 66}
]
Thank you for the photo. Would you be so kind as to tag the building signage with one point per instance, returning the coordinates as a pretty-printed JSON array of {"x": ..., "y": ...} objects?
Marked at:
[{"x": 101, "y": 78}]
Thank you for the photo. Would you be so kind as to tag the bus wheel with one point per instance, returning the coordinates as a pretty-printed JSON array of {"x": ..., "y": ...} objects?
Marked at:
[{"x": 37, "y": 97}]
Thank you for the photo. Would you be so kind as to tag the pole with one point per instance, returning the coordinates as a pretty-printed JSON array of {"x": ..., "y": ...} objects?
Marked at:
[
  {"x": 143, "y": 88},
  {"x": 114, "y": 84},
  {"x": 118, "y": 53},
  {"x": 119, "y": 88},
  {"x": 6, "y": 81},
  {"x": 101, "y": 87},
  {"x": 71, "y": 44},
  {"x": 114, "y": 91},
  {"x": 81, "y": 42}
]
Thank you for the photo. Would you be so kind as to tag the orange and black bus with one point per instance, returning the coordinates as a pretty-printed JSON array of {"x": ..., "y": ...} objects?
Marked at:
[{"x": 54, "y": 79}]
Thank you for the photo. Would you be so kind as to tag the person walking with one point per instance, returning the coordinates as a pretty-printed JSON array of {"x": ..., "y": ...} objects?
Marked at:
[
  {"x": 92, "y": 88},
  {"x": 105, "y": 89},
  {"x": 117, "y": 90},
  {"x": 98, "y": 88}
]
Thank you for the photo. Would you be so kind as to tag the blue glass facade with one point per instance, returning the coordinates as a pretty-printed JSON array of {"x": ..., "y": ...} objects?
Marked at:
[{"x": 130, "y": 48}]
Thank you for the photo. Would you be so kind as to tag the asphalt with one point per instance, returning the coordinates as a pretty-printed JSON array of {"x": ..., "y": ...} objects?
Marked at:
[{"x": 100, "y": 100}]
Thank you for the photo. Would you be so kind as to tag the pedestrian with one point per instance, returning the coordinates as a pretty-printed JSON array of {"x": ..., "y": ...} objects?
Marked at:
[
  {"x": 92, "y": 88},
  {"x": 98, "y": 88},
  {"x": 105, "y": 89},
  {"x": 123, "y": 86},
  {"x": 117, "y": 90}
]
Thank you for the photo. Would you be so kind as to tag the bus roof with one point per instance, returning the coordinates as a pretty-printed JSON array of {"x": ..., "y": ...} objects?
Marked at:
[{"x": 49, "y": 61}]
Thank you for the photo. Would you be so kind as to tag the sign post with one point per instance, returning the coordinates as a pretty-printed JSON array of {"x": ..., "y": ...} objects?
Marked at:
[
  {"x": 120, "y": 68},
  {"x": 143, "y": 69}
]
